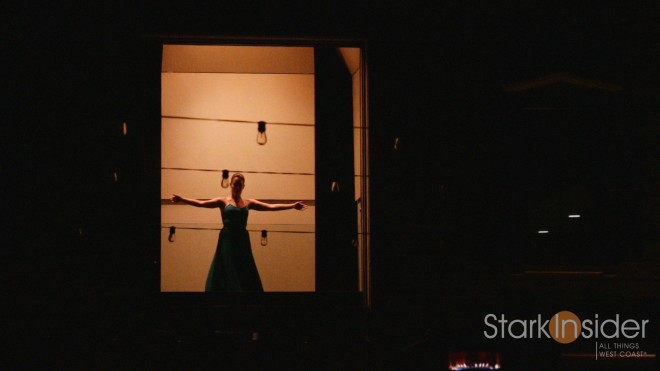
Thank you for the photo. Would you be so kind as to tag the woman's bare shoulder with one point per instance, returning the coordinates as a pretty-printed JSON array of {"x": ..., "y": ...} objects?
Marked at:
[{"x": 221, "y": 201}]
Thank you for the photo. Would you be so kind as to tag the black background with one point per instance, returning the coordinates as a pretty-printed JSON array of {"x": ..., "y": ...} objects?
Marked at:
[{"x": 450, "y": 208}]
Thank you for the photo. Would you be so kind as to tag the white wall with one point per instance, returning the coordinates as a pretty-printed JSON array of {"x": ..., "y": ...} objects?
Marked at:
[{"x": 198, "y": 132}]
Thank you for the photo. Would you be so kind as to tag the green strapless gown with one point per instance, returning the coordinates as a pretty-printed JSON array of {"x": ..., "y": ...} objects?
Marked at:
[{"x": 233, "y": 268}]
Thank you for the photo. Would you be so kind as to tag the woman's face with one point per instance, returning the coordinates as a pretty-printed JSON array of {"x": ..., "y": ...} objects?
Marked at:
[{"x": 237, "y": 185}]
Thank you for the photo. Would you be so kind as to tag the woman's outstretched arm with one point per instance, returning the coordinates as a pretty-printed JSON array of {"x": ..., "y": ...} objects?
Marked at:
[
  {"x": 262, "y": 206},
  {"x": 210, "y": 204}
]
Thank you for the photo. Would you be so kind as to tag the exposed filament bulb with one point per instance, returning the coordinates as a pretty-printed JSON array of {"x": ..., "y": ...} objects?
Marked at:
[
  {"x": 225, "y": 179},
  {"x": 261, "y": 134},
  {"x": 172, "y": 236}
]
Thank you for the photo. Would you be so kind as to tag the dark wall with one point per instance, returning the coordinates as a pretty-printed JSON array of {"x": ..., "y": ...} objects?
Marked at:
[
  {"x": 336, "y": 258},
  {"x": 447, "y": 206}
]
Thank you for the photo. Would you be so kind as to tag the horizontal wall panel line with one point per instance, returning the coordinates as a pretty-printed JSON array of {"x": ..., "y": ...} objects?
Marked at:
[
  {"x": 235, "y": 171},
  {"x": 242, "y": 73},
  {"x": 220, "y": 228},
  {"x": 236, "y": 121}
]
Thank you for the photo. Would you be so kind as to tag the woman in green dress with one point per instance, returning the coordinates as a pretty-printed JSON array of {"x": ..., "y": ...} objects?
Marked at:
[{"x": 233, "y": 267}]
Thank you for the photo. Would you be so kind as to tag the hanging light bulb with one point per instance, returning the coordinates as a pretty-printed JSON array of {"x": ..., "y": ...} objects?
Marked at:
[
  {"x": 172, "y": 236},
  {"x": 261, "y": 135},
  {"x": 124, "y": 129},
  {"x": 335, "y": 186},
  {"x": 264, "y": 237},
  {"x": 115, "y": 176},
  {"x": 397, "y": 142},
  {"x": 225, "y": 179}
]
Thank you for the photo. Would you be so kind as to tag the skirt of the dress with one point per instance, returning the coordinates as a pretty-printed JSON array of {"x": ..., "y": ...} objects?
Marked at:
[{"x": 233, "y": 268}]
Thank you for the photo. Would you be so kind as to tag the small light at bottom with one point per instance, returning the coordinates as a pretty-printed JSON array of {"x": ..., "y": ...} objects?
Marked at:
[
  {"x": 543, "y": 232},
  {"x": 574, "y": 216}
]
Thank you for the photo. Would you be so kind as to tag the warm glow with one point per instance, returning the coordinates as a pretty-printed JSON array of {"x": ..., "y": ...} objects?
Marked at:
[
  {"x": 211, "y": 106},
  {"x": 472, "y": 366},
  {"x": 211, "y": 98},
  {"x": 474, "y": 361}
]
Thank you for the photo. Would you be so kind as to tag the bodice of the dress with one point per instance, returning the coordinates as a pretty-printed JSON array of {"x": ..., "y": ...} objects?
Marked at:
[{"x": 234, "y": 217}]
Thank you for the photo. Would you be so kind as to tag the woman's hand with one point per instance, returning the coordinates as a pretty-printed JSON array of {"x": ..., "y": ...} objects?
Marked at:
[
  {"x": 299, "y": 205},
  {"x": 175, "y": 198}
]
